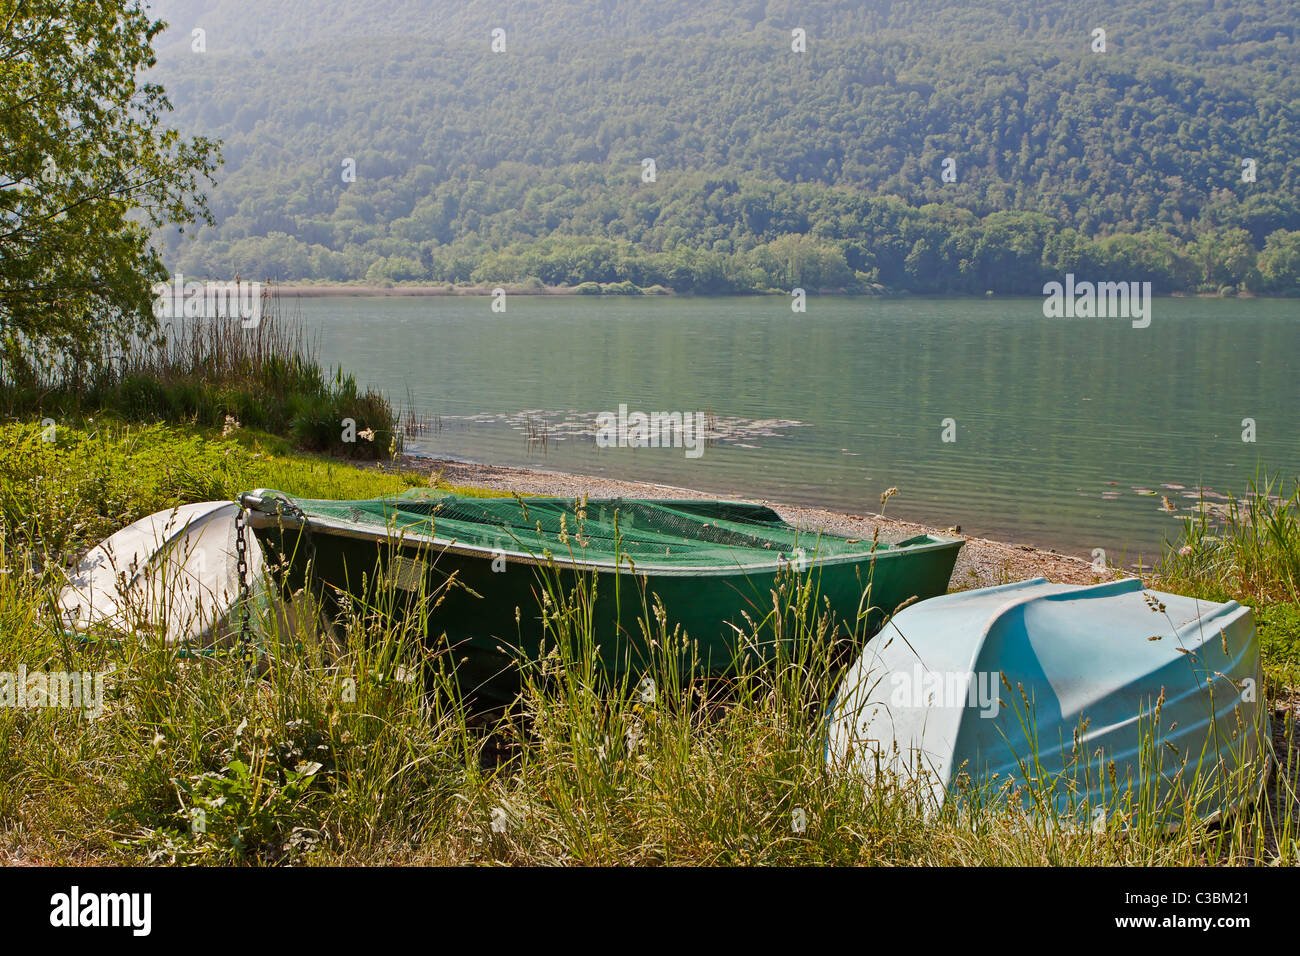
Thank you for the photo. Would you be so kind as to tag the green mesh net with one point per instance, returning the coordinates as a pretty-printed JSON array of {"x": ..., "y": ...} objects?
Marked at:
[{"x": 651, "y": 532}]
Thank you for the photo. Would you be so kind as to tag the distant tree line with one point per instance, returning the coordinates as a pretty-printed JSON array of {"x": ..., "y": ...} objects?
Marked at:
[{"x": 772, "y": 168}]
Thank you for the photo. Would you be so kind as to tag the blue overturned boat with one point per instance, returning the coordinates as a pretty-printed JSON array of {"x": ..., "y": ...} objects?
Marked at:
[{"x": 1079, "y": 703}]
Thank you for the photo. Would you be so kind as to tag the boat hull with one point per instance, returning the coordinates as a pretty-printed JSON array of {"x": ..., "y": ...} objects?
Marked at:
[
  {"x": 489, "y": 608},
  {"x": 1077, "y": 702}
]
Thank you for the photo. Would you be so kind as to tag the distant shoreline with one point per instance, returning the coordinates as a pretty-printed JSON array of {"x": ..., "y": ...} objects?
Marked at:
[
  {"x": 311, "y": 291},
  {"x": 324, "y": 291}
]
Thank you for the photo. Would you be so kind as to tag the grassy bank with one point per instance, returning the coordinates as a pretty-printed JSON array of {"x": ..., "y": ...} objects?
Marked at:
[
  {"x": 336, "y": 753},
  {"x": 1251, "y": 555},
  {"x": 65, "y": 487},
  {"x": 209, "y": 372}
]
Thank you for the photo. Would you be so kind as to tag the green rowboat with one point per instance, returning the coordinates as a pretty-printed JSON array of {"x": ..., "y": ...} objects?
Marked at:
[{"x": 712, "y": 564}]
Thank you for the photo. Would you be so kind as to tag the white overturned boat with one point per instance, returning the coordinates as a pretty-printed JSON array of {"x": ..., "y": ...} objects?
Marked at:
[
  {"x": 1076, "y": 702},
  {"x": 173, "y": 575}
]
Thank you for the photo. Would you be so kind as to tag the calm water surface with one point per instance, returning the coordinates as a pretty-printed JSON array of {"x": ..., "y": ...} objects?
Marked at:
[{"x": 1068, "y": 432}]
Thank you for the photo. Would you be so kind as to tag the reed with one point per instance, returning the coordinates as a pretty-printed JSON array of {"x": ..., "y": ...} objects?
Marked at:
[
  {"x": 1248, "y": 550},
  {"x": 215, "y": 373},
  {"x": 1250, "y": 547}
]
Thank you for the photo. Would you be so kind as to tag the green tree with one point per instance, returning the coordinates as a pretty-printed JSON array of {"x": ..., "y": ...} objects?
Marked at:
[
  {"x": 1224, "y": 257},
  {"x": 87, "y": 172},
  {"x": 1279, "y": 263}
]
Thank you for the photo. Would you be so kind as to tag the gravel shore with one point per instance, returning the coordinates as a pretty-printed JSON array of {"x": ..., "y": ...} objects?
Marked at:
[{"x": 982, "y": 561}]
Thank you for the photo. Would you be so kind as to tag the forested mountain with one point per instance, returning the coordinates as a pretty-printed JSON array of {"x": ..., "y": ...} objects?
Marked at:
[{"x": 772, "y": 168}]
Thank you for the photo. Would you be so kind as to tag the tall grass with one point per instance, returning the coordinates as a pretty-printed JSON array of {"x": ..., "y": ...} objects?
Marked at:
[
  {"x": 353, "y": 743},
  {"x": 1248, "y": 550},
  {"x": 1251, "y": 547},
  {"x": 215, "y": 373}
]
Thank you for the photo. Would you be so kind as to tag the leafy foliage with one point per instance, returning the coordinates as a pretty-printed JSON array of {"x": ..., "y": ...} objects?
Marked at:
[
  {"x": 86, "y": 171},
  {"x": 475, "y": 167}
]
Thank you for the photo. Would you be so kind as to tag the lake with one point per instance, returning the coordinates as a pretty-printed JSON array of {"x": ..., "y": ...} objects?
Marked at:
[{"x": 1066, "y": 433}]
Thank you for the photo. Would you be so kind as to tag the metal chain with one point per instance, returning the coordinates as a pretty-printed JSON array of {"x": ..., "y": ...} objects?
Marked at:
[{"x": 241, "y": 566}]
